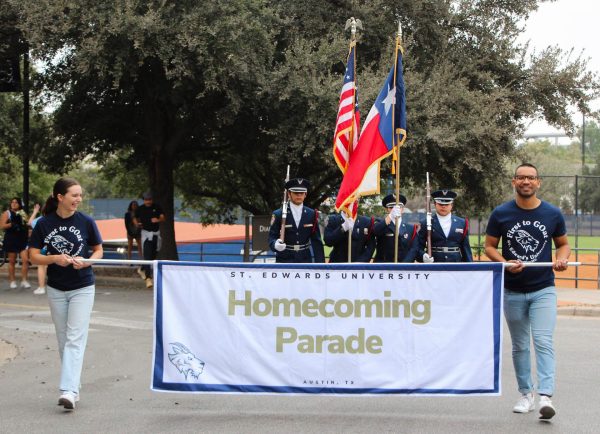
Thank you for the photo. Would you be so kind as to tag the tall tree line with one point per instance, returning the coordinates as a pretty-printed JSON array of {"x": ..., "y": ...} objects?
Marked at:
[{"x": 216, "y": 98}]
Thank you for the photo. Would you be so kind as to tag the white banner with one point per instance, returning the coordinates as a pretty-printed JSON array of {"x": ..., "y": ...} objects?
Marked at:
[{"x": 316, "y": 328}]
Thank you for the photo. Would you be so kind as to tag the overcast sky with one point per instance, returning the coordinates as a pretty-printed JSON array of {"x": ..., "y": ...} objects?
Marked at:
[{"x": 568, "y": 24}]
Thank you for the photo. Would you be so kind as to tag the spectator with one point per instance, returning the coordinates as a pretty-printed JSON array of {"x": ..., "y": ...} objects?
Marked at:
[
  {"x": 41, "y": 269},
  {"x": 149, "y": 216},
  {"x": 134, "y": 231},
  {"x": 14, "y": 223}
]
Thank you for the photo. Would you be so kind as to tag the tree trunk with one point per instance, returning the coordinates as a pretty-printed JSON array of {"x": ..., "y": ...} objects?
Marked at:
[{"x": 161, "y": 177}]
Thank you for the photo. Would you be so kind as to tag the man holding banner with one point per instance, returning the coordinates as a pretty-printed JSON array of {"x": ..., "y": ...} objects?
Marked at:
[{"x": 527, "y": 227}]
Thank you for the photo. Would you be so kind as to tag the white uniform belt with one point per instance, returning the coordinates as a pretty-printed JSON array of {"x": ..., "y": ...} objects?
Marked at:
[
  {"x": 297, "y": 247},
  {"x": 446, "y": 249}
]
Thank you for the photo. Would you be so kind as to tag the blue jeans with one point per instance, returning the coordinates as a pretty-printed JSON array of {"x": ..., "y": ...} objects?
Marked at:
[
  {"x": 532, "y": 314},
  {"x": 71, "y": 311}
]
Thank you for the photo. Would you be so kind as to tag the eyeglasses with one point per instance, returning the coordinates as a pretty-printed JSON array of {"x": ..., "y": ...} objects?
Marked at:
[{"x": 526, "y": 177}]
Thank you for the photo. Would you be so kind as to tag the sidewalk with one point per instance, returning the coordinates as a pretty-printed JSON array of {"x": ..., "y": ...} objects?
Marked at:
[{"x": 581, "y": 302}]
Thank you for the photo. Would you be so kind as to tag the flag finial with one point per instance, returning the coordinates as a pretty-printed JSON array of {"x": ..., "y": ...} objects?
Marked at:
[{"x": 353, "y": 24}]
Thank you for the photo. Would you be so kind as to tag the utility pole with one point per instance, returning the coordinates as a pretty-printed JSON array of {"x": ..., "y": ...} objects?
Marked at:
[{"x": 26, "y": 141}]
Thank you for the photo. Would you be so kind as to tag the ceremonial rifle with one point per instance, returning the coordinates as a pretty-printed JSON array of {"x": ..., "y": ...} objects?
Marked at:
[
  {"x": 284, "y": 207},
  {"x": 428, "y": 208}
]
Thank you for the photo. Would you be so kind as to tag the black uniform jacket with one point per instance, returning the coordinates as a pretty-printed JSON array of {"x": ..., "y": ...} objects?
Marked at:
[
  {"x": 363, "y": 239},
  {"x": 407, "y": 242},
  {"x": 458, "y": 239},
  {"x": 299, "y": 240}
]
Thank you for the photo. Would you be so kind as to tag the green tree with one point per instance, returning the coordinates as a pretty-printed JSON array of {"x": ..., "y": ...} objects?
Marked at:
[
  {"x": 592, "y": 140},
  {"x": 557, "y": 165},
  {"x": 218, "y": 97}
]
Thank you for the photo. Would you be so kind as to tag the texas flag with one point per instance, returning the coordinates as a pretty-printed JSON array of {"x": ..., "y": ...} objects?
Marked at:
[{"x": 377, "y": 138}]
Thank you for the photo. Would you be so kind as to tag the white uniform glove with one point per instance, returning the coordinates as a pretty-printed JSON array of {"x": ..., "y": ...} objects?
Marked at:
[
  {"x": 427, "y": 259},
  {"x": 348, "y": 223},
  {"x": 279, "y": 246},
  {"x": 396, "y": 212}
]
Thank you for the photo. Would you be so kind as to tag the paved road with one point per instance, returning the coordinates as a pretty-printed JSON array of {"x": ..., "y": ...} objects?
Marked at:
[{"x": 116, "y": 396}]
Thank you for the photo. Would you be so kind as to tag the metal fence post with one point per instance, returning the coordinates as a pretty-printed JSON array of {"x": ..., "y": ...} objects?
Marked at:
[{"x": 247, "y": 239}]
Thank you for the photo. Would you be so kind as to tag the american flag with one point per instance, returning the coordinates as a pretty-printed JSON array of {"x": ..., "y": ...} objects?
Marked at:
[
  {"x": 347, "y": 126},
  {"x": 384, "y": 129}
]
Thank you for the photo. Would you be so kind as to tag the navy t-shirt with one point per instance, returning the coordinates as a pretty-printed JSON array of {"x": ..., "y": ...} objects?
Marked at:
[
  {"x": 527, "y": 235},
  {"x": 72, "y": 236},
  {"x": 146, "y": 213}
]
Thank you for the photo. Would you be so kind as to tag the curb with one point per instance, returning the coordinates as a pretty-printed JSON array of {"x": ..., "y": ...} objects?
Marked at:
[{"x": 580, "y": 310}]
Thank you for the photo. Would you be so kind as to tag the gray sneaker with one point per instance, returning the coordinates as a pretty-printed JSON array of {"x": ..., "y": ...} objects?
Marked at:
[{"x": 525, "y": 404}]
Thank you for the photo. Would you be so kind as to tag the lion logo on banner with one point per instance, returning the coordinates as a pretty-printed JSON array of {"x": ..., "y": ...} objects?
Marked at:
[
  {"x": 185, "y": 361},
  {"x": 527, "y": 241}
]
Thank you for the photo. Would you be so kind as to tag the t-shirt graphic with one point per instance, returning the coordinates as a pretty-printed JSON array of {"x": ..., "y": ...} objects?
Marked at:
[
  {"x": 62, "y": 245},
  {"x": 527, "y": 239},
  {"x": 527, "y": 242}
]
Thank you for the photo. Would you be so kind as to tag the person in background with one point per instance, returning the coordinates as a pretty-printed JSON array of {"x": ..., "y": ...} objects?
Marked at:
[
  {"x": 16, "y": 233},
  {"x": 449, "y": 232},
  {"x": 149, "y": 216},
  {"x": 41, "y": 269},
  {"x": 61, "y": 240},
  {"x": 385, "y": 228},
  {"x": 134, "y": 231},
  {"x": 527, "y": 227}
]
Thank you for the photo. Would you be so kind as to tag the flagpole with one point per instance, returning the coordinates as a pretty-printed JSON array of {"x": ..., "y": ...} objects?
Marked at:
[
  {"x": 353, "y": 23},
  {"x": 395, "y": 140}
]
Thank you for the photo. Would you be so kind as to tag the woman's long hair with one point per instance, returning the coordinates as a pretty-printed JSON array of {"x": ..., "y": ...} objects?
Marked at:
[
  {"x": 18, "y": 199},
  {"x": 60, "y": 187},
  {"x": 130, "y": 207}
]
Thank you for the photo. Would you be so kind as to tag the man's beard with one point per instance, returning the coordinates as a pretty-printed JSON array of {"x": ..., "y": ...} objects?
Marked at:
[{"x": 526, "y": 195}]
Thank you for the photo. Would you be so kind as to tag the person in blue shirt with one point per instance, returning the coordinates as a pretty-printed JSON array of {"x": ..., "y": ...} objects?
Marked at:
[
  {"x": 527, "y": 227},
  {"x": 449, "y": 232},
  {"x": 60, "y": 240},
  {"x": 302, "y": 234},
  {"x": 385, "y": 229}
]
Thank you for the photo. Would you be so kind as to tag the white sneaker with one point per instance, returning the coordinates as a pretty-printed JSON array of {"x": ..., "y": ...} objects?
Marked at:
[
  {"x": 25, "y": 284},
  {"x": 525, "y": 404},
  {"x": 547, "y": 410},
  {"x": 141, "y": 273},
  {"x": 67, "y": 400},
  {"x": 13, "y": 285},
  {"x": 39, "y": 291}
]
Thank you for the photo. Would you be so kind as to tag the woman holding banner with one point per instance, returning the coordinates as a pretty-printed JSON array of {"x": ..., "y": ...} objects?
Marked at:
[{"x": 60, "y": 240}]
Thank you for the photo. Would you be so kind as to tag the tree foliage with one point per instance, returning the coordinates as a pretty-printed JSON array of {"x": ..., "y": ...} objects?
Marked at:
[{"x": 218, "y": 97}]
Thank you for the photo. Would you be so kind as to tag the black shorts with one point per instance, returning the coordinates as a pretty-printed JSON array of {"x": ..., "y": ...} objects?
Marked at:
[{"x": 15, "y": 242}]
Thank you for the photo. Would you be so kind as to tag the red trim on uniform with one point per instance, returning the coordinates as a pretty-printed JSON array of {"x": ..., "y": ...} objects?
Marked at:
[
  {"x": 466, "y": 229},
  {"x": 315, "y": 223}
]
